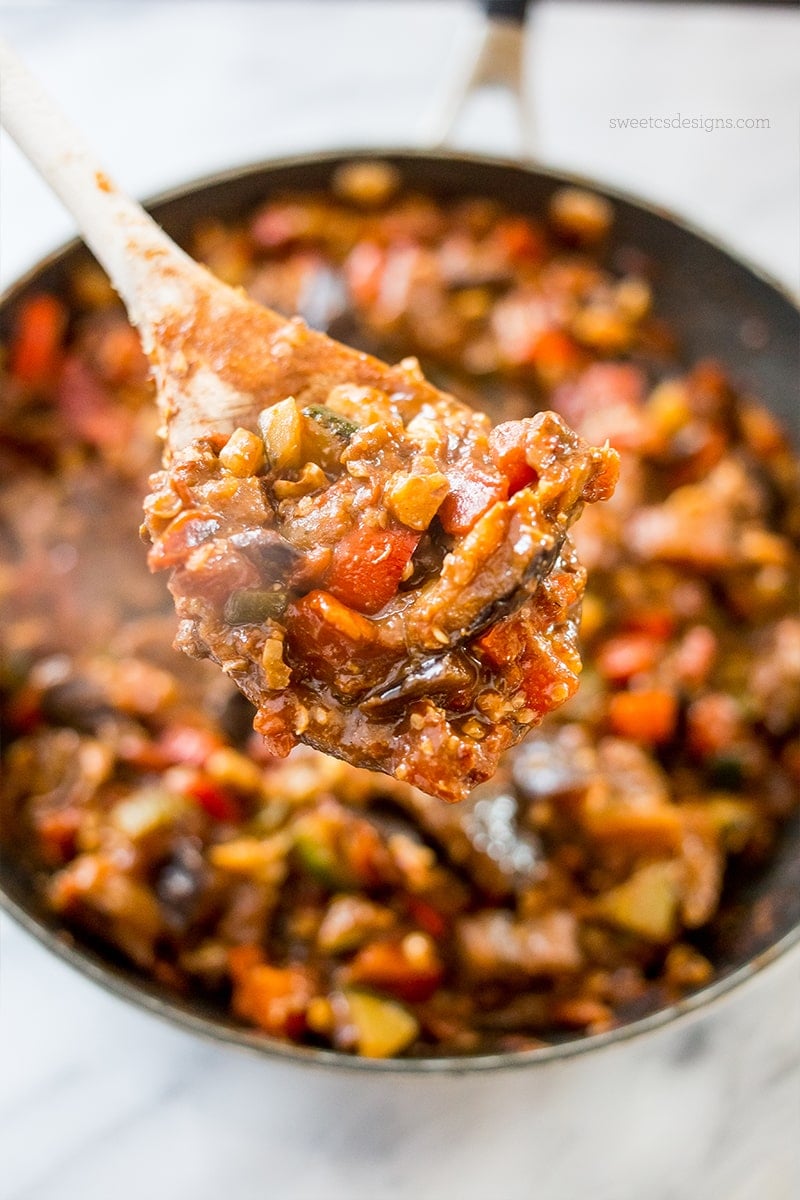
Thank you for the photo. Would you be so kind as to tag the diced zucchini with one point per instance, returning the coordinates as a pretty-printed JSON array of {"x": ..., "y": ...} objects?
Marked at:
[
  {"x": 383, "y": 1027},
  {"x": 146, "y": 811},
  {"x": 281, "y": 427},
  {"x": 332, "y": 421},
  {"x": 325, "y": 435},
  {"x": 317, "y": 854},
  {"x": 646, "y": 904}
]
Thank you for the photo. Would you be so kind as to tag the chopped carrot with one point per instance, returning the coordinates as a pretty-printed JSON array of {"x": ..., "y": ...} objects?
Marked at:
[
  {"x": 648, "y": 716},
  {"x": 393, "y": 967}
]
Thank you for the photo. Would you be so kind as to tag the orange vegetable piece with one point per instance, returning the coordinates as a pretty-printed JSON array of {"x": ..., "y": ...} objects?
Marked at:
[
  {"x": 648, "y": 716},
  {"x": 391, "y": 968},
  {"x": 367, "y": 566},
  {"x": 38, "y": 338},
  {"x": 470, "y": 496},
  {"x": 274, "y": 998},
  {"x": 508, "y": 453}
]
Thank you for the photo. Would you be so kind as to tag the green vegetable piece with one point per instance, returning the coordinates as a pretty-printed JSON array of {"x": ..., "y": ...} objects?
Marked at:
[
  {"x": 317, "y": 854},
  {"x": 325, "y": 436},
  {"x": 146, "y": 811},
  {"x": 646, "y": 904},
  {"x": 736, "y": 821},
  {"x": 726, "y": 772},
  {"x": 252, "y": 606},
  {"x": 332, "y": 421},
  {"x": 383, "y": 1027}
]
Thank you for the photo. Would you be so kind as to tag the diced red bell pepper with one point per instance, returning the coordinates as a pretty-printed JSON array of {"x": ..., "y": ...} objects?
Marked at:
[
  {"x": 472, "y": 492},
  {"x": 38, "y": 338},
  {"x": 427, "y": 917},
  {"x": 319, "y": 625},
  {"x": 659, "y": 623},
  {"x": 554, "y": 353},
  {"x": 57, "y": 831},
  {"x": 215, "y": 800},
  {"x": 367, "y": 566}
]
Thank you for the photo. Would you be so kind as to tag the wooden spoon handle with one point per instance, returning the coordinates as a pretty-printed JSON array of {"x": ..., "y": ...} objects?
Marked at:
[{"x": 152, "y": 275}]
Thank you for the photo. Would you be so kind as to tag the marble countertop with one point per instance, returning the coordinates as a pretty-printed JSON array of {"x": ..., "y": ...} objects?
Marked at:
[{"x": 98, "y": 1100}]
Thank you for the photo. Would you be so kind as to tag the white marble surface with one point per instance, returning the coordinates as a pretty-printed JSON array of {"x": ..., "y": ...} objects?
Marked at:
[{"x": 98, "y": 1101}]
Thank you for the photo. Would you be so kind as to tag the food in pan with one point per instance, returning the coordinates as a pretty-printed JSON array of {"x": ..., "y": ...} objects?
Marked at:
[{"x": 335, "y": 907}]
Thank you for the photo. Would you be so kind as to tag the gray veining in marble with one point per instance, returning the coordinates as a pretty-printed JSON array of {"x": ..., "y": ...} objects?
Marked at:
[{"x": 101, "y": 1102}]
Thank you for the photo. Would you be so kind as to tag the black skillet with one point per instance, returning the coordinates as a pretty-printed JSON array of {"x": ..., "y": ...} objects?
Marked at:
[{"x": 718, "y": 306}]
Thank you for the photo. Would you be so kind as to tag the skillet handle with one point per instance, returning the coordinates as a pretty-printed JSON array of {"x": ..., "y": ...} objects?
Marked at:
[
  {"x": 506, "y": 10},
  {"x": 498, "y": 62}
]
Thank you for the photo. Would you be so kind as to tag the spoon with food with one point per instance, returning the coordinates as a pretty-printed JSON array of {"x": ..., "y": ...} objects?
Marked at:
[{"x": 384, "y": 575}]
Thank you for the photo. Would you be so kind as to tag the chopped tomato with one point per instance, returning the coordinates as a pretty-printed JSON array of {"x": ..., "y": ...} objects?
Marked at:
[
  {"x": 394, "y": 966},
  {"x": 472, "y": 493},
  {"x": 188, "y": 744},
  {"x": 626, "y": 655},
  {"x": 367, "y": 566},
  {"x": 648, "y": 716},
  {"x": 554, "y": 353},
  {"x": 508, "y": 453},
  {"x": 659, "y": 623},
  {"x": 364, "y": 271},
  {"x": 427, "y": 917},
  {"x": 520, "y": 239},
  {"x": 35, "y": 351},
  {"x": 88, "y": 407}
]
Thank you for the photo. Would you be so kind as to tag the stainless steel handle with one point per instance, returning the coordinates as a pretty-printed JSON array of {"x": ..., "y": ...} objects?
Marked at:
[{"x": 497, "y": 62}]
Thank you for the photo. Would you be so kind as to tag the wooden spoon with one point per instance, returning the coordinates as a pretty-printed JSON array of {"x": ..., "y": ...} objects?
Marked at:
[{"x": 218, "y": 358}]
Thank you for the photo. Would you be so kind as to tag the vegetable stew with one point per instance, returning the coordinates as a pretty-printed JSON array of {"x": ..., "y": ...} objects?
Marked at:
[{"x": 328, "y": 905}]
